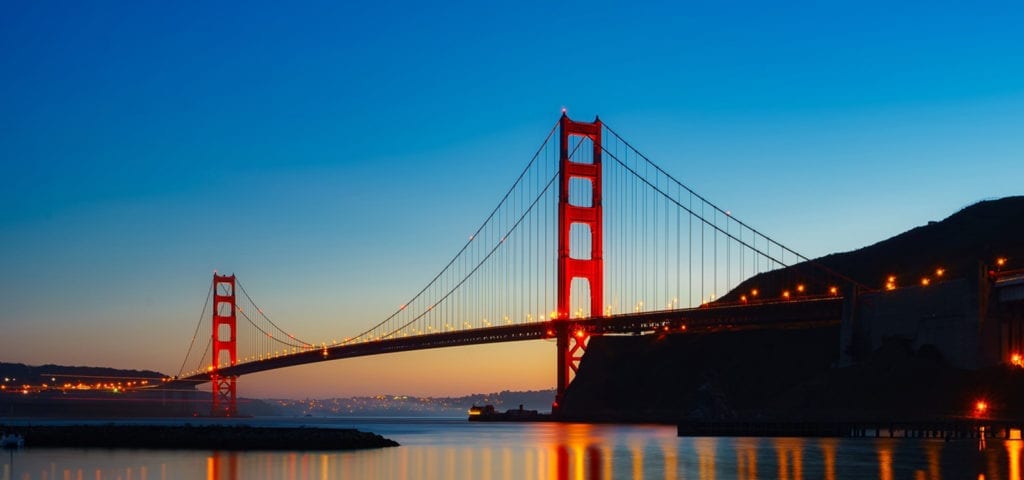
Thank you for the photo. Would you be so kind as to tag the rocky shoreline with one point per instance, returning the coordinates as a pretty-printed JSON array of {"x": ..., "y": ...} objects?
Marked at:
[{"x": 196, "y": 437}]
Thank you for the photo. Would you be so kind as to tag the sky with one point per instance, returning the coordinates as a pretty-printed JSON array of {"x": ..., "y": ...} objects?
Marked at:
[{"x": 334, "y": 155}]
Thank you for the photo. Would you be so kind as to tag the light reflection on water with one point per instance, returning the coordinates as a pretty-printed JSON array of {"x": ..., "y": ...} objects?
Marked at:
[{"x": 450, "y": 449}]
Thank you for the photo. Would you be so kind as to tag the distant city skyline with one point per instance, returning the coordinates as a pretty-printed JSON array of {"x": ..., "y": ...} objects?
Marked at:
[{"x": 300, "y": 147}]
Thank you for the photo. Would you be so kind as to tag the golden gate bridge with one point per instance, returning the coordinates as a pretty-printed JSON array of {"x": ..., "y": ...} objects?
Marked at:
[{"x": 592, "y": 238}]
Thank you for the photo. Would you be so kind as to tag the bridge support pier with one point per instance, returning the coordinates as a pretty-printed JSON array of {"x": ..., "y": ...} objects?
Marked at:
[
  {"x": 851, "y": 338},
  {"x": 571, "y": 344}
]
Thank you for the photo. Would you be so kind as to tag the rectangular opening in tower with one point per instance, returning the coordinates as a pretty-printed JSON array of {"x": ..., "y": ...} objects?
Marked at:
[
  {"x": 580, "y": 306},
  {"x": 224, "y": 359},
  {"x": 223, "y": 309},
  {"x": 224, "y": 288},
  {"x": 224, "y": 333},
  {"x": 581, "y": 149},
  {"x": 581, "y": 192},
  {"x": 580, "y": 241}
]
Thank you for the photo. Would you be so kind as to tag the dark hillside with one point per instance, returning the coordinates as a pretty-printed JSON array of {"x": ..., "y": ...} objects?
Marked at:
[
  {"x": 974, "y": 236},
  {"x": 20, "y": 374}
]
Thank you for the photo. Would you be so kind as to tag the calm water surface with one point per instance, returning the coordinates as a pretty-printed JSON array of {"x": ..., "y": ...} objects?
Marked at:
[{"x": 455, "y": 449}]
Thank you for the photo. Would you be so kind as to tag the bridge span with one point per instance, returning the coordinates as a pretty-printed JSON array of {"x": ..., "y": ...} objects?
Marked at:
[{"x": 802, "y": 313}]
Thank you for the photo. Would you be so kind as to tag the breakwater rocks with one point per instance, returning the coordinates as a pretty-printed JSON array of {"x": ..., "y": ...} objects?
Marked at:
[{"x": 198, "y": 437}]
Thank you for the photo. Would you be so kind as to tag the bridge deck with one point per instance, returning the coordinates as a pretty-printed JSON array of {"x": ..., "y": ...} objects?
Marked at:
[{"x": 772, "y": 314}]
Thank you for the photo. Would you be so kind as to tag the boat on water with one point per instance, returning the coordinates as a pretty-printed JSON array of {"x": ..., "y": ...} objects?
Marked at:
[
  {"x": 12, "y": 441},
  {"x": 487, "y": 413}
]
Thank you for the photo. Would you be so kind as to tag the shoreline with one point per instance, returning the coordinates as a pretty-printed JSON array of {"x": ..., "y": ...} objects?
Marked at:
[{"x": 196, "y": 437}]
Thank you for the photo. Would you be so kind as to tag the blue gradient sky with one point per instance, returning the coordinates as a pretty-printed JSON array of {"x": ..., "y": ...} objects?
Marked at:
[{"x": 335, "y": 155}]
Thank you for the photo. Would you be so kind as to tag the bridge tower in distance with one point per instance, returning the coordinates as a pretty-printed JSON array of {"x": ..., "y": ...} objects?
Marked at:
[
  {"x": 572, "y": 344},
  {"x": 224, "y": 340}
]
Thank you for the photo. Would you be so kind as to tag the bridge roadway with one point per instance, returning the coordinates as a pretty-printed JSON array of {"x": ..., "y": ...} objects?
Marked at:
[{"x": 805, "y": 312}]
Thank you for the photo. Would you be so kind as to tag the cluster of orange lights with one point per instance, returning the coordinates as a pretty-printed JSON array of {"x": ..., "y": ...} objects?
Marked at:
[
  {"x": 890, "y": 281},
  {"x": 940, "y": 272},
  {"x": 1017, "y": 360},
  {"x": 115, "y": 387},
  {"x": 786, "y": 294}
]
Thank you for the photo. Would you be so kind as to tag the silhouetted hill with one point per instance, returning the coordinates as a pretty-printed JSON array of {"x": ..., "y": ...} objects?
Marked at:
[
  {"x": 975, "y": 235},
  {"x": 60, "y": 374}
]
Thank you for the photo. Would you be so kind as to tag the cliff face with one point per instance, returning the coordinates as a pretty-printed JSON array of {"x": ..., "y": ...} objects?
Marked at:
[
  {"x": 778, "y": 375},
  {"x": 704, "y": 376}
]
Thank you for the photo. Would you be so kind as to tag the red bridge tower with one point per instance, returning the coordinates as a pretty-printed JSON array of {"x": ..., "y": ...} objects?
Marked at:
[
  {"x": 224, "y": 340},
  {"x": 572, "y": 344}
]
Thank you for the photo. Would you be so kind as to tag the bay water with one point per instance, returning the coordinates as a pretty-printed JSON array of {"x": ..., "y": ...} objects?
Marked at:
[{"x": 449, "y": 448}]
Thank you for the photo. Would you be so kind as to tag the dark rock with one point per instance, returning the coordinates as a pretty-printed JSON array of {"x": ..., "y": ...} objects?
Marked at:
[{"x": 204, "y": 437}]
